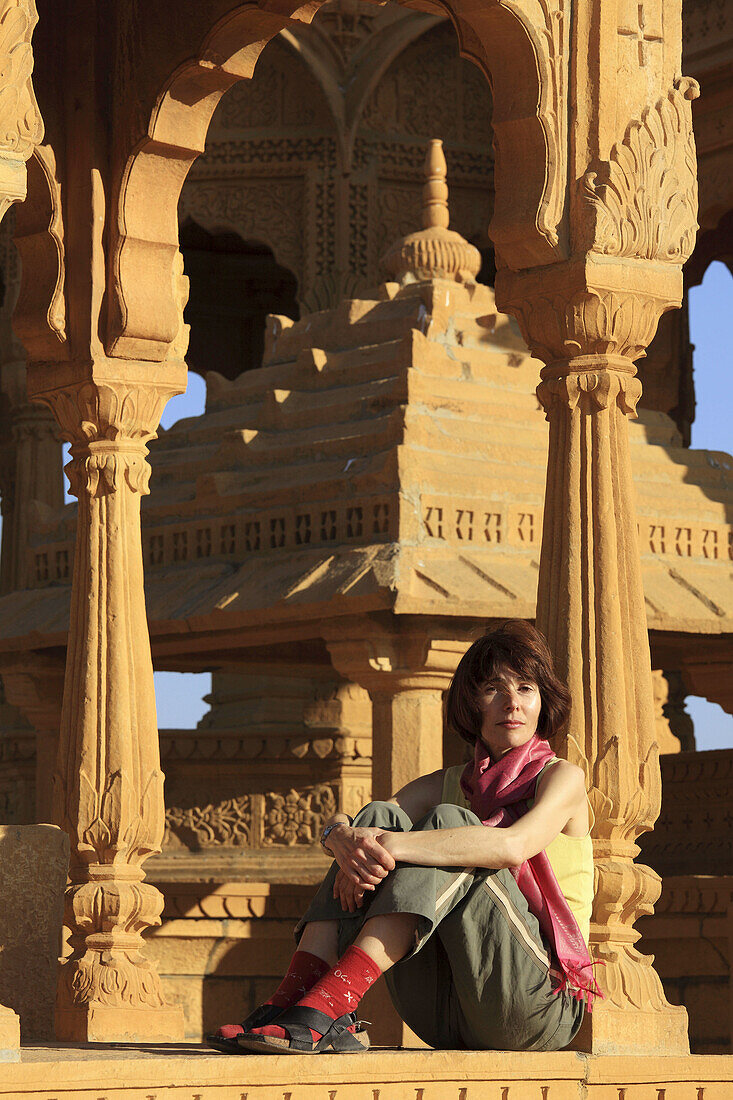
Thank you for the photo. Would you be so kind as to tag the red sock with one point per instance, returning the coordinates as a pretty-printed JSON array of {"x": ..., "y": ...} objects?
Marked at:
[
  {"x": 337, "y": 992},
  {"x": 303, "y": 973}
]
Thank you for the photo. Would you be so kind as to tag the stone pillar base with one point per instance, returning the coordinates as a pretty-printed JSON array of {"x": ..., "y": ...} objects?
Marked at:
[
  {"x": 9, "y": 1035},
  {"x": 612, "y": 1030},
  {"x": 97, "y": 1023}
]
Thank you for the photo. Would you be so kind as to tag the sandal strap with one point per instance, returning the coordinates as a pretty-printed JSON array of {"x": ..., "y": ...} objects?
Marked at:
[
  {"x": 262, "y": 1016},
  {"x": 339, "y": 1029},
  {"x": 315, "y": 1020},
  {"x": 299, "y": 1021}
]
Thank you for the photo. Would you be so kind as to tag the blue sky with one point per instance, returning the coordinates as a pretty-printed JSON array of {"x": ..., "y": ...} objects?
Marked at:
[
  {"x": 710, "y": 304},
  {"x": 179, "y": 696}
]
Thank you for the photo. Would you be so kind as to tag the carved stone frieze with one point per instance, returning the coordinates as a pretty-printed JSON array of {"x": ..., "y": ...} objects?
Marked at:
[
  {"x": 298, "y": 818},
  {"x": 427, "y": 89},
  {"x": 283, "y": 93},
  {"x": 348, "y": 27},
  {"x": 240, "y": 748},
  {"x": 271, "y": 210},
  {"x": 694, "y": 834},
  {"x": 228, "y": 822},
  {"x": 644, "y": 198}
]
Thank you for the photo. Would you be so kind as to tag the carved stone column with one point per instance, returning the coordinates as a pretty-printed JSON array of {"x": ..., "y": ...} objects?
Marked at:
[
  {"x": 30, "y": 454},
  {"x": 38, "y": 477},
  {"x": 590, "y": 605},
  {"x": 666, "y": 740},
  {"x": 405, "y": 675},
  {"x": 680, "y": 722},
  {"x": 21, "y": 130},
  {"x": 631, "y": 224},
  {"x": 36, "y": 688},
  {"x": 108, "y": 787}
]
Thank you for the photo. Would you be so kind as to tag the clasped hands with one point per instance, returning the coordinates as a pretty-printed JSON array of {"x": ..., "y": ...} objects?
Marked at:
[{"x": 363, "y": 858}]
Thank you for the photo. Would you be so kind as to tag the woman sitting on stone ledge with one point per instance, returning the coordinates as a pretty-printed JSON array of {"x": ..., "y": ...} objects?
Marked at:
[{"x": 470, "y": 889}]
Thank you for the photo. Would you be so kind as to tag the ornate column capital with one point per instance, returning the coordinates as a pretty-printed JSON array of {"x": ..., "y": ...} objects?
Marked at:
[
  {"x": 33, "y": 421},
  {"x": 592, "y": 306},
  {"x": 109, "y": 422},
  {"x": 405, "y": 672},
  {"x": 385, "y": 663},
  {"x": 601, "y": 382}
]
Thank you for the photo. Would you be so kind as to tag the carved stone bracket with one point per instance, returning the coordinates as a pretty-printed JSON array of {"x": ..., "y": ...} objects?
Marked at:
[
  {"x": 21, "y": 127},
  {"x": 644, "y": 198}
]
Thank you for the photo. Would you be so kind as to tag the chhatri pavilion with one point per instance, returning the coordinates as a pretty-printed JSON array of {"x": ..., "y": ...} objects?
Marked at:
[{"x": 429, "y": 259}]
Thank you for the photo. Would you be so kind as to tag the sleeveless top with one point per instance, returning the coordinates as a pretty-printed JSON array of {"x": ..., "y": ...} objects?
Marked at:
[{"x": 571, "y": 857}]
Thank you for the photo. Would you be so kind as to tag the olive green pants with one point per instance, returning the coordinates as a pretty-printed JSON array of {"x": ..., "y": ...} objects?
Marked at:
[{"x": 478, "y": 977}]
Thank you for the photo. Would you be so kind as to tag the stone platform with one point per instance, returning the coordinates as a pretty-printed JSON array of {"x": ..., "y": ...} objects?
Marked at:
[{"x": 188, "y": 1072}]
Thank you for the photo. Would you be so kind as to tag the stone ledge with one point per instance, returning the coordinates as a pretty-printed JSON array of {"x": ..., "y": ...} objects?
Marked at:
[{"x": 160, "y": 1072}]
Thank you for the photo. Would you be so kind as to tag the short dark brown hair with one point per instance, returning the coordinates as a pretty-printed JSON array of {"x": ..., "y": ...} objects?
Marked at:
[{"x": 518, "y": 646}]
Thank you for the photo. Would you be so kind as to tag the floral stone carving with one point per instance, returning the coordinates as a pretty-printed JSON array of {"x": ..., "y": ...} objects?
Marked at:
[
  {"x": 644, "y": 198},
  {"x": 228, "y": 822},
  {"x": 296, "y": 818}
]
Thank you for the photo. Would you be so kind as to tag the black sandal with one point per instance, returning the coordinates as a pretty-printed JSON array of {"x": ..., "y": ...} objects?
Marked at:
[
  {"x": 298, "y": 1023},
  {"x": 259, "y": 1017}
]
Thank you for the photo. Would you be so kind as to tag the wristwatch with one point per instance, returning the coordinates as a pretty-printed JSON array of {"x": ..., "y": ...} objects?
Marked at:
[{"x": 329, "y": 829}]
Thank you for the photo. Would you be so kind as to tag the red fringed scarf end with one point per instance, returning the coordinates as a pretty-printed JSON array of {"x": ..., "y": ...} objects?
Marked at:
[{"x": 578, "y": 985}]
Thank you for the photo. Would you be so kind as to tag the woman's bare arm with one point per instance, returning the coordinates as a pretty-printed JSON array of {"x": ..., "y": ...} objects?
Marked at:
[
  {"x": 359, "y": 852},
  {"x": 561, "y": 796}
]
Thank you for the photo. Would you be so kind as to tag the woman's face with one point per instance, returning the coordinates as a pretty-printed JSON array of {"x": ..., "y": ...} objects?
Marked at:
[{"x": 510, "y": 710}]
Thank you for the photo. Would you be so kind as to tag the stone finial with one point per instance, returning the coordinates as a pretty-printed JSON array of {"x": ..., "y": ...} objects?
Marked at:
[{"x": 435, "y": 252}]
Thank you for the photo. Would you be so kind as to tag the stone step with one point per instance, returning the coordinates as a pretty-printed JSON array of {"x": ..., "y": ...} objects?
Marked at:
[{"x": 189, "y": 1072}]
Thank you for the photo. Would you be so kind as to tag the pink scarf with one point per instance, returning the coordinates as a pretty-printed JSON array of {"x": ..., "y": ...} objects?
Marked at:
[{"x": 498, "y": 793}]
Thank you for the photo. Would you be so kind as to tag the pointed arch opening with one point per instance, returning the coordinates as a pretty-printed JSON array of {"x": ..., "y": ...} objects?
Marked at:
[{"x": 520, "y": 51}]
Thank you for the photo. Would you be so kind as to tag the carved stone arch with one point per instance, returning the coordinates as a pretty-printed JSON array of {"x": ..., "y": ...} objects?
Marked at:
[
  {"x": 250, "y": 230},
  {"x": 234, "y": 284},
  {"x": 143, "y": 322},
  {"x": 39, "y": 318},
  {"x": 520, "y": 47},
  {"x": 387, "y": 43},
  {"x": 276, "y": 139},
  {"x": 327, "y": 78},
  {"x": 523, "y": 49}
]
